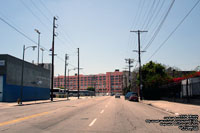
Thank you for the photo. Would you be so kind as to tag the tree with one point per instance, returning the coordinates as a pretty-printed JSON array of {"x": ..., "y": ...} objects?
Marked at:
[
  {"x": 153, "y": 76},
  {"x": 91, "y": 89},
  {"x": 61, "y": 87}
]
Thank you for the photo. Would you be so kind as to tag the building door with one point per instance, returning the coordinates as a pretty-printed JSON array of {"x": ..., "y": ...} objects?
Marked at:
[{"x": 1, "y": 88}]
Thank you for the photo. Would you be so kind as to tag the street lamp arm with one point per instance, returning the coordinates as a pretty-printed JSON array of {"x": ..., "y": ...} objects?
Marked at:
[
  {"x": 30, "y": 47},
  {"x": 37, "y": 31}
]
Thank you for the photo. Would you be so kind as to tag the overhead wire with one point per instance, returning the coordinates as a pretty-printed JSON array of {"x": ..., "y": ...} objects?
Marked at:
[
  {"x": 147, "y": 13},
  {"x": 31, "y": 11},
  {"x": 135, "y": 23},
  {"x": 156, "y": 14},
  {"x": 136, "y": 15},
  {"x": 10, "y": 21},
  {"x": 179, "y": 24},
  {"x": 69, "y": 39},
  {"x": 26, "y": 36},
  {"x": 151, "y": 14},
  {"x": 153, "y": 18},
  {"x": 64, "y": 34},
  {"x": 131, "y": 40},
  {"x": 159, "y": 27},
  {"x": 26, "y": 6},
  {"x": 48, "y": 19},
  {"x": 17, "y": 30},
  {"x": 138, "y": 19},
  {"x": 49, "y": 11},
  {"x": 139, "y": 14}
]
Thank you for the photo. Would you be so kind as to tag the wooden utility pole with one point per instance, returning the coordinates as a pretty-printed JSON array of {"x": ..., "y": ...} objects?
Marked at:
[
  {"x": 78, "y": 73},
  {"x": 52, "y": 49},
  {"x": 129, "y": 61},
  {"x": 66, "y": 58},
  {"x": 139, "y": 59}
]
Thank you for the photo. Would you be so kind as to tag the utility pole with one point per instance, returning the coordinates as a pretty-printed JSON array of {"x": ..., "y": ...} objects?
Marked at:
[
  {"x": 139, "y": 59},
  {"x": 187, "y": 90},
  {"x": 129, "y": 61},
  {"x": 42, "y": 54},
  {"x": 78, "y": 73},
  {"x": 52, "y": 67},
  {"x": 66, "y": 58},
  {"x": 68, "y": 84},
  {"x": 58, "y": 81}
]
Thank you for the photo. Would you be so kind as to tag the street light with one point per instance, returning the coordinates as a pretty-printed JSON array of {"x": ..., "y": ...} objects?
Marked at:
[
  {"x": 38, "y": 44},
  {"x": 22, "y": 76}
]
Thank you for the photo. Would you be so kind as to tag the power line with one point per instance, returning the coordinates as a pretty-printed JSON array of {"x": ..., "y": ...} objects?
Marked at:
[
  {"x": 40, "y": 11},
  {"x": 25, "y": 5},
  {"x": 139, "y": 13},
  {"x": 13, "y": 27},
  {"x": 156, "y": 14},
  {"x": 151, "y": 13},
  {"x": 179, "y": 24},
  {"x": 136, "y": 15},
  {"x": 159, "y": 27},
  {"x": 72, "y": 65},
  {"x": 11, "y": 22},
  {"x": 148, "y": 12},
  {"x": 134, "y": 24},
  {"x": 21, "y": 33},
  {"x": 153, "y": 18},
  {"x": 46, "y": 7},
  {"x": 64, "y": 33},
  {"x": 30, "y": 10}
]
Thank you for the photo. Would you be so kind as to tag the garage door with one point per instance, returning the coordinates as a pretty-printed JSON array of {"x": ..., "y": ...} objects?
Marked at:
[{"x": 1, "y": 88}]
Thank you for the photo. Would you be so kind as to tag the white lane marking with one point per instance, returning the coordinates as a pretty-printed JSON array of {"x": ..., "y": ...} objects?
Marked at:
[
  {"x": 102, "y": 111},
  {"x": 92, "y": 122}
]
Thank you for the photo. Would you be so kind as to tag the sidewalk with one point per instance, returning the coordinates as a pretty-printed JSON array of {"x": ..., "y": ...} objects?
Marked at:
[
  {"x": 173, "y": 107},
  {"x": 10, "y": 104}
]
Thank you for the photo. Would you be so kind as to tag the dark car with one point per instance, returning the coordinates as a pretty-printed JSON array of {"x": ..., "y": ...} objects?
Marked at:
[
  {"x": 117, "y": 95},
  {"x": 133, "y": 97},
  {"x": 128, "y": 95}
]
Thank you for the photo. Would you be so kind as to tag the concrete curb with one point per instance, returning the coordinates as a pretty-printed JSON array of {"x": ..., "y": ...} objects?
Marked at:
[
  {"x": 41, "y": 101},
  {"x": 149, "y": 104}
]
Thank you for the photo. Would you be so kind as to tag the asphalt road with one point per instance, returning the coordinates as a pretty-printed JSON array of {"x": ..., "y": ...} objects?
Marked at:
[{"x": 100, "y": 114}]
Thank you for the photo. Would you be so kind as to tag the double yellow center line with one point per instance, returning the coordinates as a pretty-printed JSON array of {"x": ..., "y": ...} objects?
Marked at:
[{"x": 23, "y": 118}]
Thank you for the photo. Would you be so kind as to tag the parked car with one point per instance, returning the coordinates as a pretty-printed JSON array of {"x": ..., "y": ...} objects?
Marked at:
[
  {"x": 133, "y": 97},
  {"x": 128, "y": 95},
  {"x": 117, "y": 95},
  {"x": 112, "y": 94}
]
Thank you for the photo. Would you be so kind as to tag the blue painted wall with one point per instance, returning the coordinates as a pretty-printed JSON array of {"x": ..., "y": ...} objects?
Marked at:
[{"x": 12, "y": 92}]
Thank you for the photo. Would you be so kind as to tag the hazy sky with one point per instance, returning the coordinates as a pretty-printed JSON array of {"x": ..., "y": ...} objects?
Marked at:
[{"x": 101, "y": 29}]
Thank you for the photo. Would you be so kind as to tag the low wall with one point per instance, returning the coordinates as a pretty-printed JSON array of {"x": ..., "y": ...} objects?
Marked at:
[{"x": 11, "y": 93}]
